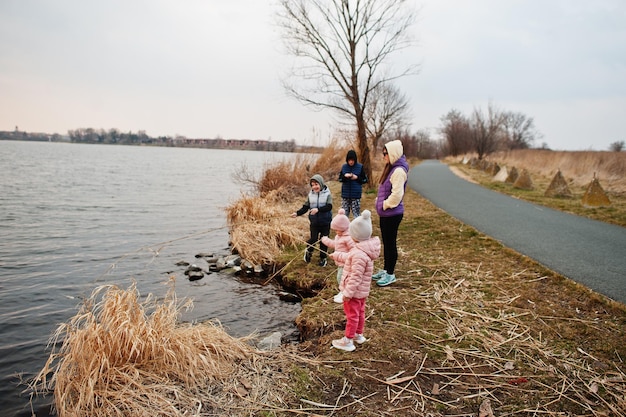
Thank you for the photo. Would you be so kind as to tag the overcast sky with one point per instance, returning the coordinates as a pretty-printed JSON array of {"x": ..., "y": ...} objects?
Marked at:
[{"x": 209, "y": 68}]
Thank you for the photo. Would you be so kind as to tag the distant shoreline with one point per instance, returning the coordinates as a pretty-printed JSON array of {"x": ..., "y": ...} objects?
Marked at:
[{"x": 90, "y": 136}]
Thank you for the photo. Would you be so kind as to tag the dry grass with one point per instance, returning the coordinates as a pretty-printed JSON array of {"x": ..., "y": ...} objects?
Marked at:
[
  {"x": 120, "y": 356},
  {"x": 469, "y": 322},
  {"x": 291, "y": 177},
  {"x": 261, "y": 227}
]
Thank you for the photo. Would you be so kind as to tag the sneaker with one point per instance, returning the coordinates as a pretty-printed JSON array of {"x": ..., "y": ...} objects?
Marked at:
[
  {"x": 323, "y": 262},
  {"x": 386, "y": 280},
  {"x": 338, "y": 298},
  {"x": 344, "y": 344},
  {"x": 307, "y": 256},
  {"x": 360, "y": 339},
  {"x": 378, "y": 275}
]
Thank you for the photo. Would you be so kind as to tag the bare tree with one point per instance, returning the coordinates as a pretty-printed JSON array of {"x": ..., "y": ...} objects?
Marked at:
[
  {"x": 386, "y": 110},
  {"x": 343, "y": 48},
  {"x": 456, "y": 133},
  {"x": 617, "y": 146},
  {"x": 486, "y": 130},
  {"x": 520, "y": 132},
  {"x": 418, "y": 144}
]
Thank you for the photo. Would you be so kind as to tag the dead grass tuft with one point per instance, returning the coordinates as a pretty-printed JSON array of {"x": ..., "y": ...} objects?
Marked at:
[
  {"x": 292, "y": 176},
  {"x": 121, "y": 356},
  {"x": 261, "y": 227}
]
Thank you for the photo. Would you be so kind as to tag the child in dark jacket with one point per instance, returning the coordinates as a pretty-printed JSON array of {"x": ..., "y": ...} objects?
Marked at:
[
  {"x": 319, "y": 204},
  {"x": 352, "y": 178}
]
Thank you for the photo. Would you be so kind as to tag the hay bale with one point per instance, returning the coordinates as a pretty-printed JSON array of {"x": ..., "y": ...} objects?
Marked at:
[
  {"x": 524, "y": 182},
  {"x": 595, "y": 196},
  {"x": 502, "y": 174},
  {"x": 558, "y": 187},
  {"x": 512, "y": 177}
]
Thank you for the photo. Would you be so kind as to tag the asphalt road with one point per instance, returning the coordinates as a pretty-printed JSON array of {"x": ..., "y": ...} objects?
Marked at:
[{"x": 587, "y": 251}]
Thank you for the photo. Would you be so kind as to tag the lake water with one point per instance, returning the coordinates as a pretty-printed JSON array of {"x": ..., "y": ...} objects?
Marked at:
[{"x": 75, "y": 216}]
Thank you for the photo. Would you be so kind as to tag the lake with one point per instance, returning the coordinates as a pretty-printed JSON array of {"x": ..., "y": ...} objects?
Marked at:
[{"x": 74, "y": 217}]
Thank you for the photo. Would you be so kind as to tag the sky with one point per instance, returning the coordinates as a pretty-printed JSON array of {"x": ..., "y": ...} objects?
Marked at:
[{"x": 213, "y": 68}]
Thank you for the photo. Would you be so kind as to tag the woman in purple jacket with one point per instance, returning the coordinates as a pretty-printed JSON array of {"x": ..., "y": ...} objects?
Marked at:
[{"x": 390, "y": 207}]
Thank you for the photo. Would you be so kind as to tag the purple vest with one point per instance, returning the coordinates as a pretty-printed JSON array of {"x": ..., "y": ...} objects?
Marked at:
[{"x": 384, "y": 191}]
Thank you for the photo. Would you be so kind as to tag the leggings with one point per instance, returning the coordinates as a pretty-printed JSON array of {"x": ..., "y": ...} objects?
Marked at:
[
  {"x": 389, "y": 231},
  {"x": 353, "y": 204}
]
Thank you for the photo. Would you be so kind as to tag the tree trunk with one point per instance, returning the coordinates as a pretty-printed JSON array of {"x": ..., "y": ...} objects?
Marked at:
[{"x": 364, "y": 152}]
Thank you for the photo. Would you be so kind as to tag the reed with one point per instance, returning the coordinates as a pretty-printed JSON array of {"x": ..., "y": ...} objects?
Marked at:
[
  {"x": 121, "y": 356},
  {"x": 261, "y": 227},
  {"x": 292, "y": 176}
]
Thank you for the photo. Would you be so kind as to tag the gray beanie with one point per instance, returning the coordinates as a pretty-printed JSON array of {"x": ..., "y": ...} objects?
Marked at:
[{"x": 361, "y": 227}]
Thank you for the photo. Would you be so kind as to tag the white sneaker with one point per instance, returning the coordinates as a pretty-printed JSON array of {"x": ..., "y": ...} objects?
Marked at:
[
  {"x": 360, "y": 339},
  {"x": 344, "y": 344},
  {"x": 338, "y": 298}
]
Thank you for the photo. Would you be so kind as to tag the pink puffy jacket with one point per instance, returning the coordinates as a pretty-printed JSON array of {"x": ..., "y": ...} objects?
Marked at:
[
  {"x": 343, "y": 242},
  {"x": 358, "y": 268}
]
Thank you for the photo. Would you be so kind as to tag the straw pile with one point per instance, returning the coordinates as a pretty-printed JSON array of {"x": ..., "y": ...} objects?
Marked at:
[{"x": 120, "y": 356}]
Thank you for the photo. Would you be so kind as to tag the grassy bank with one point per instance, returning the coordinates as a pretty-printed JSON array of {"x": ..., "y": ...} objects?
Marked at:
[{"x": 469, "y": 324}]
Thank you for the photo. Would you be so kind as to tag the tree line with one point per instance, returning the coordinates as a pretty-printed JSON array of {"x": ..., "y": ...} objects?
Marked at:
[
  {"x": 116, "y": 137},
  {"x": 484, "y": 132}
]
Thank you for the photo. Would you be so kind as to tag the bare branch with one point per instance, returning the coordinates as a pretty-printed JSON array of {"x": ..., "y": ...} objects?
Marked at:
[{"x": 342, "y": 50}]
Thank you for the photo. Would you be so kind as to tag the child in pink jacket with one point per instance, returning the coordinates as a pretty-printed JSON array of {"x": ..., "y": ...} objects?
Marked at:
[
  {"x": 342, "y": 243},
  {"x": 356, "y": 280}
]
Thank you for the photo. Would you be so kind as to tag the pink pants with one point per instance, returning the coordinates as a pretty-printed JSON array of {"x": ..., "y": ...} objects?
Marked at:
[{"x": 355, "y": 316}]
